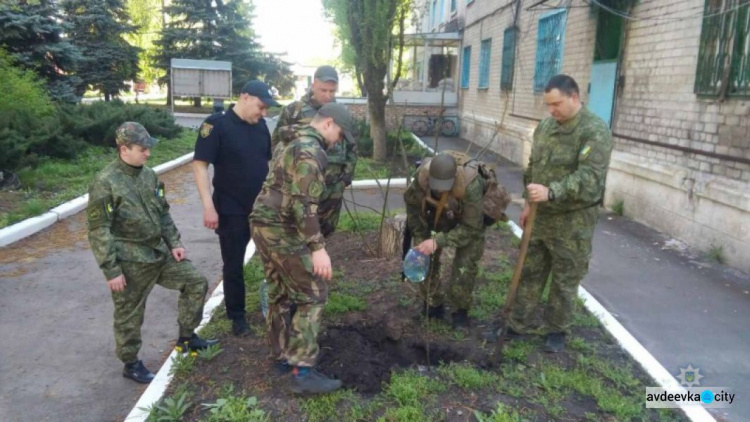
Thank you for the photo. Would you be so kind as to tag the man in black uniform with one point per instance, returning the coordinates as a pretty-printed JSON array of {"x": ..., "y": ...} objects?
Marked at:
[{"x": 238, "y": 144}]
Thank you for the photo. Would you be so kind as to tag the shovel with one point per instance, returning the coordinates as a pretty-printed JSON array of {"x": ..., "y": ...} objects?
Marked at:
[{"x": 514, "y": 282}]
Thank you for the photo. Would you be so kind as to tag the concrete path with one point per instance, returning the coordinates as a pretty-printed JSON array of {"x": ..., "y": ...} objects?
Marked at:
[{"x": 678, "y": 305}]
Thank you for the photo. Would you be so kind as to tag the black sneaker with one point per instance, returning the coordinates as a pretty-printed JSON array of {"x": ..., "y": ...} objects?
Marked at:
[
  {"x": 555, "y": 343},
  {"x": 460, "y": 319},
  {"x": 240, "y": 328},
  {"x": 313, "y": 382},
  {"x": 193, "y": 343},
  {"x": 137, "y": 372}
]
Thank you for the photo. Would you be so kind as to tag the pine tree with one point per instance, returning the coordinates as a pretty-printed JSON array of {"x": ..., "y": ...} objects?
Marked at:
[
  {"x": 32, "y": 33},
  {"x": 98, "y": 28},
  {"x": 216, "y": 30}
]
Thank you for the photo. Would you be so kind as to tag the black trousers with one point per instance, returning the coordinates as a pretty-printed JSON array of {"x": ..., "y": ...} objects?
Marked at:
[{"x": 234, "y": 235}]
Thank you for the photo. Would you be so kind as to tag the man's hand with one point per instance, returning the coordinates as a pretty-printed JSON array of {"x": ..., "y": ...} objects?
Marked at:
[
  {"x": 117, "y": 284},
  {"x": 537, "y": 193},
  {"x": 427, "y": 247},
  {"x": 211, "y": 218},
  {"x": 179, "y": 254},
  {"x": 322, "y": 264},
  {"x": 525, "y": 214}
]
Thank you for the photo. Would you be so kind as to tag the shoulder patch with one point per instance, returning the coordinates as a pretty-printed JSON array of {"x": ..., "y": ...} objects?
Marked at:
[
  {"x": 206, "y": 129},
  {"x": 584, "y": 152}
]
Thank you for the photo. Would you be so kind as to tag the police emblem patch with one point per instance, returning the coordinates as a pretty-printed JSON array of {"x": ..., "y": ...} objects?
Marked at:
[{"x": 206, "y": 129}]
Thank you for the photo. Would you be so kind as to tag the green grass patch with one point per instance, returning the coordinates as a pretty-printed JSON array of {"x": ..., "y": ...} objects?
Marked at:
[
  {"x": 500, "y": 414},
  {"x": 518, "y": 350},
  {"x": 358, "y": 221},
  {"x": 489, "y": 299},
  {"x": 411, "y": 392},
  {"x": 468, "y": 377},
  {"x": 336, "y": 406},
  {"x": 55, "y": 181},
  {"x": 367, "y": 168},
  {"x": 341, "y": 303}
]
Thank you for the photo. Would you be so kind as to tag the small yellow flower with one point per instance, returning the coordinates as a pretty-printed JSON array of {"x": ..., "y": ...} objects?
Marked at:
[
  {"x": 193, "y": 354},
  {"x": 179, "y": 349}
]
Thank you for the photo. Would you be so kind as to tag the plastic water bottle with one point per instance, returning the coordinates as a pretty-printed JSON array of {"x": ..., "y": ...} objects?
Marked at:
[
  {"x": 416, "y": 266},
  {"x": 264, "y": 298}
]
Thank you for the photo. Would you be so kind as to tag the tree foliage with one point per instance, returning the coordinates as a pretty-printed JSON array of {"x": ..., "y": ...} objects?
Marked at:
[
  {"x": 372, "y": 30},
  {"x": 98, "y": 29},
  {"x": 218, "y": 30},
  {"x": 32, "y": 33}
]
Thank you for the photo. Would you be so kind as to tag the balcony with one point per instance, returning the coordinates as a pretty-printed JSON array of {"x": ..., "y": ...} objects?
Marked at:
[{"x": 430, "y": 70}]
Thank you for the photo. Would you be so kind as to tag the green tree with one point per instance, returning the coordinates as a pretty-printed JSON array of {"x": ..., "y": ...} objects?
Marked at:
[
  {"x": 371, "y": 31},
  {"x": 143, "y": 14},
  {"x": 218, "y": 30},
  {"x": 32, "y": 33},
  {"x": 98, "y": 28}
]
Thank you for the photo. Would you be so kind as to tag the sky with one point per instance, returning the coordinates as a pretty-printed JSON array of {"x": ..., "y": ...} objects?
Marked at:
[{"x": 296, "y": 27}]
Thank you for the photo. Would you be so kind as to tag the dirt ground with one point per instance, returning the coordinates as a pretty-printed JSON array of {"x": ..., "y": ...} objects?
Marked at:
[{"x": 376, "y": 342}]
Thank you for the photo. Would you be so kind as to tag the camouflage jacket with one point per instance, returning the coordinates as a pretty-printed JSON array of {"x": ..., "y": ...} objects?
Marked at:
[
  {"x": 571, "y": 159},
  {"x": 461, "y": 221},
  {"x": 342, "y": 157},
  {"x": 128, "y": 218},
  {"x": 291, "y": 193}
]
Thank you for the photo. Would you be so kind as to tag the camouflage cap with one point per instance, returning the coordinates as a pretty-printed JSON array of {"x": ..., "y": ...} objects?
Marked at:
[
  {"x": 132, "y": 133},
  {"x": 341, "y": 117}
]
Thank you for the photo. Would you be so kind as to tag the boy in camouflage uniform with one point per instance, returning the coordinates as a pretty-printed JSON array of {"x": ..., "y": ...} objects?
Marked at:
[
  {"x": 342, "y": 157},
  {"x": 286, "y": 231},
  {"x": 566, "y": 176},
  {"x": 137, "y": 245},
  {"x": 459, "y": 224}
]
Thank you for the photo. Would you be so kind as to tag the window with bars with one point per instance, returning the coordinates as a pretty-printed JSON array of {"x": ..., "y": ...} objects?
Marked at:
[
  {"x": 509, "y": 58},
  {"x": 549, "y": 48},
  {"x": 723, "y": 68},
  {"x": 484, "y": 63},
  {"x": 466, "y": 67}
]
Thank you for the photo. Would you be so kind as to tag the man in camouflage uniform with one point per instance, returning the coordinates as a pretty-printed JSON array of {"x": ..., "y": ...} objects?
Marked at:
[
  {"x": 342, "y": 157},
  {"x": 137, "y": 245},
  {"x": 566, "y": 176},
  {"x": 286, "y": 231},
  {"x": 460, "y": 224}
]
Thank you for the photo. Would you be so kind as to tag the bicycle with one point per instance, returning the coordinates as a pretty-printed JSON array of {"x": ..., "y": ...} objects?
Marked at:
[{"x": 427, "y": 125}]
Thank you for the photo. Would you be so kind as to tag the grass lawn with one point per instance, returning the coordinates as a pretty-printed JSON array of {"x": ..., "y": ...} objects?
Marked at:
[
  {"x": 55, "y": 181},
  {"x": 397, "y": 366}
]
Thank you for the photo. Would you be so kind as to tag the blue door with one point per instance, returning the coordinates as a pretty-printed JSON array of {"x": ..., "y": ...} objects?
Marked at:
[{"x": 602, "y": 93}]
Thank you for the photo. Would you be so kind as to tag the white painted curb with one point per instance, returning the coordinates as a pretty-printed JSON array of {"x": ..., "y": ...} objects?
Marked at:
[
  {"x": 634, "y": 347},
  {"x": 161, "y": 381},
  {"x": 372, "y": 183},
  {"x": 33, "y": 225}
]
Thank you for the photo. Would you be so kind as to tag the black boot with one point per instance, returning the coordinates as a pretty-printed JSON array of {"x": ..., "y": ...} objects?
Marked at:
[
  {"x": 282, "y": 367},
  {"x": 310, "y": 381},
  {"x": 240, "y": 328},
  {"x": 193, "y": 343},
  {"x": 137, "y": 372},
  {"x": 555, "y": 343},
  {"x": 435, "y": 312},
  {"x": 460, "y": 319}
]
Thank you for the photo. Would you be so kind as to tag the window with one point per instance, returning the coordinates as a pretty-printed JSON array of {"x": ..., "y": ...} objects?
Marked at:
[
  {"x": 468, "y": 2},
  {"x": 442, "y": 11},
  {"x": 509, "y": 59},
  {"x": 549, "y": 48},
  {"x": 466, "y": 67},
  {"x": 725, "y": 41},
  {"x": 453, "y": 5},
  {"x": 433, "y": 12},
  {"x": 484, "y": 63}
]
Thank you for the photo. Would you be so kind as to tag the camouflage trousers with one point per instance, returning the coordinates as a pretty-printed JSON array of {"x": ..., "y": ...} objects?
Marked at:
[
  {"x": 559, "y": 252},
  {"x": 463, "y": 276},
  {"x": 329, "y": 209},
  {"x": 291, "y": 283},
  {"x": 130, "y": 304}
]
